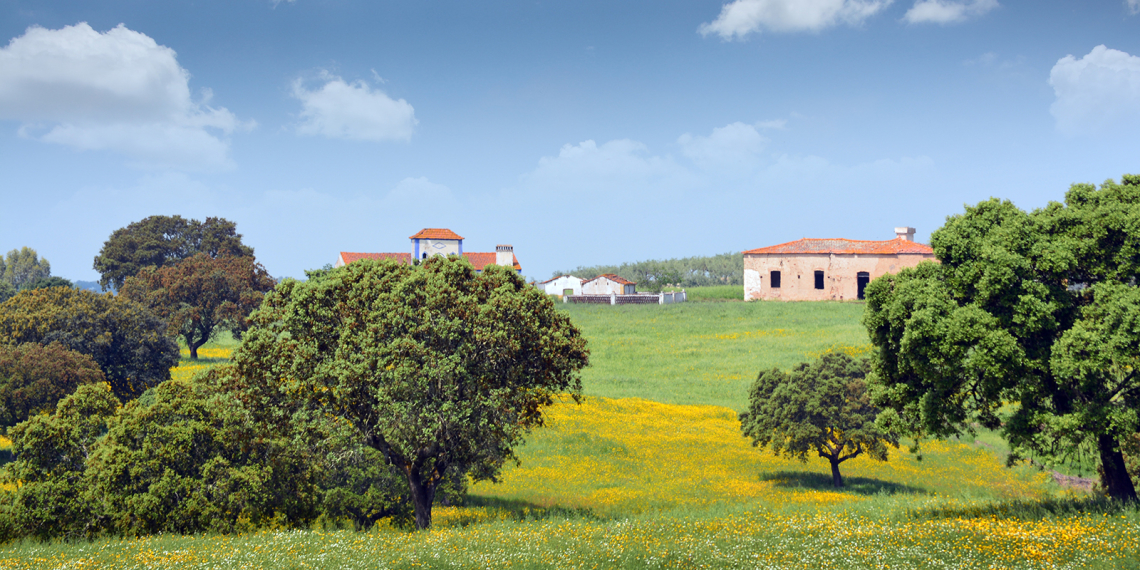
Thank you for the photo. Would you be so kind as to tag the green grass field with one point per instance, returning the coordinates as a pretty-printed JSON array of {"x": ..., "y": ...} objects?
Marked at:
[
  {"x": 707, "y": 353},
  {"x": 651, "y": 472}
]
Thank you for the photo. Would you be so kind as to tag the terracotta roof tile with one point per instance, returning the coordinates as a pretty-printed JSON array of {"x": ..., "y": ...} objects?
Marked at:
[
  {"x": 482, "y": 259},
  {"x": 611, "y": 277},
  {"x": 349, "y": 257},
  {"x": 478, "y": 259},
  {"x": 846, "y": 246},
  {"x": 436, "y": 233}
]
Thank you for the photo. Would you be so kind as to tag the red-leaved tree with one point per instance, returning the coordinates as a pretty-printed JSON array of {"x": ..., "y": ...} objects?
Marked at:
[{"x": 201, "y": 295}]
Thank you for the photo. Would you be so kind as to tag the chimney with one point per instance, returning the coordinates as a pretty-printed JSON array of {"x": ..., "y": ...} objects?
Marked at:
[
  {"x": 505, "y": 255},
  {"x": 905, "y": 233}
]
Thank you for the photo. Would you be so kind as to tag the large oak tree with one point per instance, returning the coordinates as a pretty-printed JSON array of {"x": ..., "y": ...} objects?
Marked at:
[
  {"x": 440, "y": 369},
  {"x": 201, "y": 295},
  {"x": 1037, "y": 309},
  {"x": 160, "y": 240}
]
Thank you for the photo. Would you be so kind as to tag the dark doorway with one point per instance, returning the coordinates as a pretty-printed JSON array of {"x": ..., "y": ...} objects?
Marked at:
[
  {"x": 775, "y": 279},
  {"x": 819, "y": 280},
  {"x": 862, "y": 279}
]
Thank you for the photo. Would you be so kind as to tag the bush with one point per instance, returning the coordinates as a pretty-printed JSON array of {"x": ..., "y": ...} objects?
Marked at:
[
  {"x": 125, "y": 339},
  {"x": 34, "y": 377},
  {"x": 52, "y": 496}
]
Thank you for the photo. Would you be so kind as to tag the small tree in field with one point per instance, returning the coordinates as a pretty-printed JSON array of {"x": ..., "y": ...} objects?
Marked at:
[
  {"x": 200, "y": 296},
  {"x": 440, "y": 369},
  {"x": 820, "y": 407}
]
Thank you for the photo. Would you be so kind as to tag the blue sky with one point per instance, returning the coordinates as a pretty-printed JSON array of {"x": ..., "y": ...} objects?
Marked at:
[{"x": 580, "y": 132}]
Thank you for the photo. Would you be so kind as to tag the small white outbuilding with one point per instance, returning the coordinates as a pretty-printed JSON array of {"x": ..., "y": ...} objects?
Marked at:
[{"x": 561, "y": 285}]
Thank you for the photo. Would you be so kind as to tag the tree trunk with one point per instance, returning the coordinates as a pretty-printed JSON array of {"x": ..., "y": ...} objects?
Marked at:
[
  {"x": 836, "y": 478},
  {"x": 1113, "y": 473},
  {"x": 189, "y": 338},
  {"x": 423, "y": 495}
]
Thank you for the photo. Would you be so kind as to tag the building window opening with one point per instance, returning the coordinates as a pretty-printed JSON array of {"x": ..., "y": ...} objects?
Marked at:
[
  {"x": 819, "y": 280},
  {"x": 425, "y": 256},
  {"x": 862, "y": 279},
  {"x": 775, "y": 279}
]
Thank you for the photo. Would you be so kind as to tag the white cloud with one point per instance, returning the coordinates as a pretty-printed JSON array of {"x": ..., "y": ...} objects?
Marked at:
[
  {"x": 117, "y": 91},
  {"x": 1133, "y": 6},
  {"x": 947, "y": 11},
  {"x": 615, "y": 169},
  {"x": 735, "y": 147},
  {"x": 743, "y": 17},
  {"x": 353, "y": 111},
  {"x": 1097, "y": 93}
]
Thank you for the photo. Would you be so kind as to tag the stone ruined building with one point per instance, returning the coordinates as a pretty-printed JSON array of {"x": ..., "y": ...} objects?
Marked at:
[
  {"x": 827, "y": 269},
  {"x": 608, "y": 284},
  {"x": 440, "y": 241}
]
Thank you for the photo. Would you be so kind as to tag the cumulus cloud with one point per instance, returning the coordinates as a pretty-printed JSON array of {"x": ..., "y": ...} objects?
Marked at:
[
  {"x": 352, "y": 111},
  {"x": 613, "y": 169},
  {"x": 1098, "y": 93},
  {"x": 947, "y": 11},
  {"x": 117, "y": 91},
  {"x": 743, "y": 17},
  {"x": 735, "y": 147}
]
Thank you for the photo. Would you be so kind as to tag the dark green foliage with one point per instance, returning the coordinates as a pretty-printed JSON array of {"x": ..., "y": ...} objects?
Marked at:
[
  {"x": 188, "y": 458},
  {"x": 126, "y": 340},
  {"x": 652, "y": 275},
  {"x": 159, "y": 240},
  {"x": 191, "y": 456},
  {"x": 441, "y": 370},
  {"x": 201, "y": 295},
  {"x": 7, "y": 291},
  {"x": 52, "y": 496},
  {"x": 820, "y": 408},
  {"x": 1040, "y": 309},
  {"x": 45, "y": 282},
  {"x": 34, "y": 377},
  {"x": 22, "y": 267}
]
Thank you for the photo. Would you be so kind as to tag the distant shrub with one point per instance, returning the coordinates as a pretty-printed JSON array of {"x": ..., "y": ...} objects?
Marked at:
[
  {"x": 125, "y": 339},
  {"x": 34, "y": 377}
]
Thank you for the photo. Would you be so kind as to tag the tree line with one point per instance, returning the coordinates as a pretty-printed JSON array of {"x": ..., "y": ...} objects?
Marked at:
[{"x": 653, "y": 275}]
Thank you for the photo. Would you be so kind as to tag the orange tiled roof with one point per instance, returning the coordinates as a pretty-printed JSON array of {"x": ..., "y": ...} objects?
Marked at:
[
  {"x": 611, "y": 277},
  {"x": 846, "y": 246},
  {"x": 478, "y": 259},
  {"x": 349, "y": 257},
  {"x": 436, "y": 233},
  {"x": 483, "y": 259}
]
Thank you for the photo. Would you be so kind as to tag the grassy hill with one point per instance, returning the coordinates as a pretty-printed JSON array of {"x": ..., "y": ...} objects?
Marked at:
[{"x": 651, "y": 471}]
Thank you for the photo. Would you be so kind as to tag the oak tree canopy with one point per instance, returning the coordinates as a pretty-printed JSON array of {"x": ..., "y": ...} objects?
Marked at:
[
  {"x": 1038, "y": 311},
  {"x": 438, "y": 368}
]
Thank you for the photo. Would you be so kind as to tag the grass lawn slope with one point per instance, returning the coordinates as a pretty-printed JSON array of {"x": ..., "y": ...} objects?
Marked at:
[{"x": 651, "y": 472}]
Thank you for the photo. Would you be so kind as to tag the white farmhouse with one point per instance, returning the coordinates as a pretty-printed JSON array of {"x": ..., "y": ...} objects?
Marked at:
[{"x": 561, "y": 285}]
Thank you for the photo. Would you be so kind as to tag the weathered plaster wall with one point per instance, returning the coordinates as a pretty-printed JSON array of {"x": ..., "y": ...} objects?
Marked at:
[
  {"x": 436, "y": 246},
  {"x": 602, "y": 286},
  {"x": 798, "y": 274}
]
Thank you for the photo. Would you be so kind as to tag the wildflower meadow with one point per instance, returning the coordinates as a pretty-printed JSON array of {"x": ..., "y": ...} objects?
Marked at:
[{"x": 650, "y": 470}]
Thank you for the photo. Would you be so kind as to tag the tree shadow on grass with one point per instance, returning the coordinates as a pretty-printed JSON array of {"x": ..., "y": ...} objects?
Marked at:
[
  {"x": 822, "y": 482},
  {"x": 516, "y": 510},
  {"x": 1032, "y": 509}
]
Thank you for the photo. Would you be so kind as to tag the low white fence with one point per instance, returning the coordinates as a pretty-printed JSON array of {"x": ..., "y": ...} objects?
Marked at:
[{"x": 635, "y": 299}]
